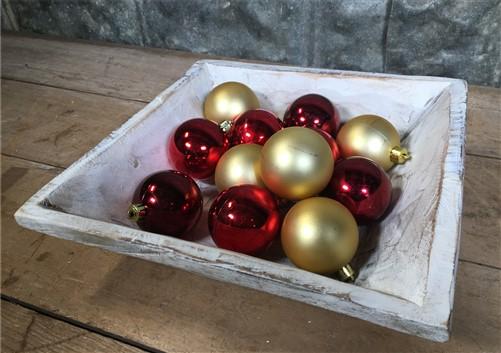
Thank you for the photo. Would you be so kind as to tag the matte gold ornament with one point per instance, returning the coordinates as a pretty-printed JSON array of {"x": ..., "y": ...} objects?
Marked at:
[
  {"x": 320, "y": 235},
  {"x": 373, "y": 137},
  {"x": 228, "y": 100},
  {"x": 296, "y": 163},
  {"x": 239, "y": 166}
]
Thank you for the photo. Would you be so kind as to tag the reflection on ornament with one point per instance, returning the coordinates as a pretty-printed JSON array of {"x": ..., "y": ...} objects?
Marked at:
[
  {"x": 244, "y": 218},
  {"x": 313, "y": 110},
  {"x": 361, "y": 186},
  {"x": 167, "y": 202},
  {"x": 196, "y": 146},
  {"x": 253, "y": 126}
]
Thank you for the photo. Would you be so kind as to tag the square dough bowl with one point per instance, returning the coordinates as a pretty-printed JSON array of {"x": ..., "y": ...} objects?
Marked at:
[{"x": 407, "y": 262}]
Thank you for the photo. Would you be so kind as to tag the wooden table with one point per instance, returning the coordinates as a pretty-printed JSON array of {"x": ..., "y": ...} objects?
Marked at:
[{"x": 61, "y": 98}]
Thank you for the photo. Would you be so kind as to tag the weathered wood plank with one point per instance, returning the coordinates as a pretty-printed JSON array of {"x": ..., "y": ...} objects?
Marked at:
[
  {"x": 484, "y": 132},
  {"x": 118, "y": 71},
  {"x": 484, "y": 97},
  {"x": 25, "y": 330},
  {"x": 481, "y": 238},
  {"x": 177, "y": 311},
  {"x": 57, "y": 126}
]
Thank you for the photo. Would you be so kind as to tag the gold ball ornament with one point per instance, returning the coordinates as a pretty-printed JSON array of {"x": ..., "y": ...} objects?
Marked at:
[
  {"x": 228, "y": 100},
  {"x": 320, "y": 235},
  {"x": 373, "y": 137},
  {"x": 296, "y": 163},
  {"x": 239, "y": 166}
]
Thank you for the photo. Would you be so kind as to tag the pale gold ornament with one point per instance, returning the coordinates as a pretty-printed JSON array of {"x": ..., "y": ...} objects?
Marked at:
[
  {"x": 228, "y": 100},
  {"x": 296, "y": 163},
  {"x": 320, "y": 235},
  {"x": 373, "y": 137},
  {"x": 239, "y": 166}
]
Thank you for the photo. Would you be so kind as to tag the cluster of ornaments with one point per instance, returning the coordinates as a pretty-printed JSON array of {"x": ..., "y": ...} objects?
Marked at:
[{"x": 330, "y": 178}]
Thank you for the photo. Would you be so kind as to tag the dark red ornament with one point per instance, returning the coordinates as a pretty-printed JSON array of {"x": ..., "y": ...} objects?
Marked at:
[
  {"x": 253, "y": 126},
  {"x": 244, "y": 218},
  {"x": 336, "y": 153},
  {"x": 196, "y": 146},
  {"x": 313, "y": 110},
  {"x": 167, "y": 202},
  {"x": 362, "y": 186}
]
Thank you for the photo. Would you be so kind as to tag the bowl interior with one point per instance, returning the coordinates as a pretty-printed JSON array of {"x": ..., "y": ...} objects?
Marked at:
[{"x": 393, "y": 253}]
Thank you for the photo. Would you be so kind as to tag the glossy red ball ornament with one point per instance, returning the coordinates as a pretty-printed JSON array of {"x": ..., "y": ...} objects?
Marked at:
[
  {"x": 362, "y": 186},
  {"x": 253, "y": 126},
  {"x": 167, "y": 202},
  {"x": 244, "y": 218},
  {"x": 196, "y": 146},
  {"x": 336, "y": 153},
  {"x": 313, "y": 110}
]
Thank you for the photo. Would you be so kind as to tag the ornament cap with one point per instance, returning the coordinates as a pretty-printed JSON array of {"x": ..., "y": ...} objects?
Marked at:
[
  {"x": 347, "y": 274},
  {"x": 225, "y": 125},
  {"x": 136, "y": 212},
  {"x": 399, "y": 155}
]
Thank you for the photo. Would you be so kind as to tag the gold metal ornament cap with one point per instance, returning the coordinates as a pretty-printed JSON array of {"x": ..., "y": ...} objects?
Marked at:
[
  {"x": 136, "y": 212},
  {"x": 399, "y": 155},
  {"x": 239, "y": 166},
  {"x": 225, "y": 126},
  {"x": 320, "y": 235},
  {"x": 347, "y": 274},
  {"x": 228, "y": 100}
]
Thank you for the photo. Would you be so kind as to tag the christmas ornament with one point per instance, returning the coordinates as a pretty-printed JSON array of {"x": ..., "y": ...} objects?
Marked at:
[
  {"x": 336, "y": 153},
  {"x": 238, "y": 166},
  {"x": 244, "y": 219},
  {"x": 167, "y": 202},
  {"x": 313, "y": 110},
  {"x": 373, "y": 137},
  {"x": 229, "y": 100},
  {"x": 196, "y": 146},
  {"x": 320, "y": 235},
  {"x": 296, "y": 163},
  {"x": 362, "y": 187},
  {"x": 253, "y": 126}
]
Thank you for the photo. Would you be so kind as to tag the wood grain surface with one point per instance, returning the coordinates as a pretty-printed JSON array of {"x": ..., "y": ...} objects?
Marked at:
[
  {"x": 170, "y": 309},
  {"x": 56, "y": 126},
  {"x": 25, "y": 330}
]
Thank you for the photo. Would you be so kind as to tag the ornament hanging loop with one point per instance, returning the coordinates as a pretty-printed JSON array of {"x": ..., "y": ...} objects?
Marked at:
[
  {"x": 136, "y": 212},
  {"x": 399, "y": 155},
  {"x": 347, "y": 274}
]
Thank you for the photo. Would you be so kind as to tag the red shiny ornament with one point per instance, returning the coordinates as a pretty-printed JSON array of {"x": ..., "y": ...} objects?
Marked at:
[
  {"x": 253, "y": 126},
  {"x": 167, "y": 202},
  {"x": 196, "y": 146},
  {"x": 244, "y": 218},
  {"x": 313, "y": 110},
  {"x": 336, "y": 153},
  {"x": 362, "y": 186}
]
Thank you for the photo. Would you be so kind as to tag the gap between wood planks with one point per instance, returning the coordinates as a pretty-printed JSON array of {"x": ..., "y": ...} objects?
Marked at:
[
  {"x": 7, "y": 78},
  {"x": 79, "y": 324}
]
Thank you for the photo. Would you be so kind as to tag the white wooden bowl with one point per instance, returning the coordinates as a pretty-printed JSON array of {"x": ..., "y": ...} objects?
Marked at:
[{"x": 407, "y": 262}]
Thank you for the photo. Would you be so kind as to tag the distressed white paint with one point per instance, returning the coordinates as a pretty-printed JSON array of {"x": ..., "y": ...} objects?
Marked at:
[{"x": 408, "y": 261}]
